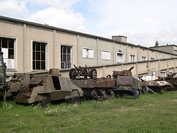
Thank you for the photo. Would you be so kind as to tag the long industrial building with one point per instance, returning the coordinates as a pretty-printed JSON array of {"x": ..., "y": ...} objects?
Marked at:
[{"x": 29, "y": 46}]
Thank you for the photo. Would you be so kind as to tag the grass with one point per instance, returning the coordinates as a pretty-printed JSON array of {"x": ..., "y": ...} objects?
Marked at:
[{"x": 155, "y": 113}]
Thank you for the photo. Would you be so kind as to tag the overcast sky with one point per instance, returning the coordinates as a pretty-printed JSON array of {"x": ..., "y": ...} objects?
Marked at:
[{"x": 143, "y": 22}]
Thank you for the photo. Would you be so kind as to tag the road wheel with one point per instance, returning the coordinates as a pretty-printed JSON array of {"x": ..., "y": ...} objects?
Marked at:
[
  {"x": 136, "y": 95},
  {"x": 109, "y": 76},
  {"x": 93, "y": 74},
  {"x": 72, "y": 73},
  {"x": 94, "y": 94},
  {"x": 76, "y": 100},
  {"x": 45, "y": 102}
]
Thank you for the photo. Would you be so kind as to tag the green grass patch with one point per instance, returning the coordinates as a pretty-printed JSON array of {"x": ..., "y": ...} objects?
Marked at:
[{"x": 155, "y": 113}]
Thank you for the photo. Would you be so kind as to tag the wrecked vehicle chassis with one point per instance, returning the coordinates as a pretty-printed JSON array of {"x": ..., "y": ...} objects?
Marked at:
[
  {"x": 99, "y": 89},
  {"x": 103, "y": 88},
  {"x": 128, "y": 85}
]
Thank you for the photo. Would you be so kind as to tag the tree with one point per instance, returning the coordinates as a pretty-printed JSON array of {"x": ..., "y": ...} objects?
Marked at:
[{"x": 156, "y": 44}]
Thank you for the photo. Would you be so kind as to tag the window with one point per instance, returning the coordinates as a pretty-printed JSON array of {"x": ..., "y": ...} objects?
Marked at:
[
  {"x": 65, "y": 56},
  {"x": 88, "y": 53},
  {"x": 175, "y": 51},
  {"x": 106, "y": 55},
  {"x": 143, "y": 58},
  {"x": 163, "y": 74},
  {"x": 119, "y": 57},
  {"x": 153, "y": 73},
  {"x": 132, "y": 58},
  {"x": 39, "y": 52},
  {"x": 152, "y": 58},
  {"x": 7, "y": 47}
]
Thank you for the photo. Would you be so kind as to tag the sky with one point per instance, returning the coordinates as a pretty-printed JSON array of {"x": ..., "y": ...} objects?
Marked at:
[{"x": 143, "y": 22}]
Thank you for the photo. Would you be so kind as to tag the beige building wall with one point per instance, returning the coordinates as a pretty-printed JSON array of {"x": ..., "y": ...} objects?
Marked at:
[
  {"x": 15, "y": 31},
  {"x": 159, "y": 55},
  {"x": 38, "y": 35},
  {"x": 25, "y": 33},
  {"x": 66, "y": 39},
  {"x": 142, "y": 53},
  {"x": 119, "y": 49},
  {"x": 142, "y": 68},
  {"x": 152, "y": 54},
  {"x": 132, "y": 50},
  {"x": 105, "y": 46},
  {"x": 87, "y": 43}
]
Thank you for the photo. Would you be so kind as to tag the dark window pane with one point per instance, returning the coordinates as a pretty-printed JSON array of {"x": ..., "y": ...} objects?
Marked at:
[
  {"x": 68, "y": 49},
  {"x": 37, "y": 47},
  {"x": 64, "y": 57},
  {"x": 43, "y": 65},
  {"x": 34, "y": 48},
  {"x": 42, "y": 56},
  {"x": 34, "y": 65},
  {"x": 37, "y": 55},
  {"x": 61, "y": 57},
  {"x": 62, "y": 65},
  {"x": 11, "y": 53},
  {"x": 43, "y": 47},
  {"x": 37, "y": 64},
  {"x": 34, "y": 56},
  {"x": 68, "y": 57},
  {"x": 4, "y": 43},
  {"x": 11, "y": 43},
  {"x": 64, "y": 49}
]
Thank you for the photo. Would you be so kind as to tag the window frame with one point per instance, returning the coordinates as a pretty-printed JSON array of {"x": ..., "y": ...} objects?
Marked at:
[
  {"x": 106, "y": 52},
  {"x": 132, "y": 58},
  {"x": 87, "y": 54},
  {"x": 42, "y": 52},
  {"x": 118, "y": 53},
  {"x": 70, "y": 54},
  {"x": 8, "y": 50},
  {"x": 143, "y": 58}
]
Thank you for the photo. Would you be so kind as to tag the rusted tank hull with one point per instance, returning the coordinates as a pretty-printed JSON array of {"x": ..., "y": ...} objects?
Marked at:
[
  {"x": 100, "y": 87},
  {"x": 158, "y": 86}
]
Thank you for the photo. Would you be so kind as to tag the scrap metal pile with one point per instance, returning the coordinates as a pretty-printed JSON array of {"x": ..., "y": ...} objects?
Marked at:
[
  {"x": 157, "y": 84},
  {"x": 105, "y": 87}
]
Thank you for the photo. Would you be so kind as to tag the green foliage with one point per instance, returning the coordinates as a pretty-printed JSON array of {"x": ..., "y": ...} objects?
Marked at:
[
  {"x": 156, "y": 44},
  {"x": 155, "y": 113}
]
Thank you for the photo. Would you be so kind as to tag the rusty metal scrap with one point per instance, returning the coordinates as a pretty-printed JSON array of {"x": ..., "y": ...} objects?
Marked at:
[{"x": 122, "y": 73}]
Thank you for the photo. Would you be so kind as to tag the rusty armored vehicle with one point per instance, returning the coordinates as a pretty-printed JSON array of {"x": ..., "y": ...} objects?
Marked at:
[
  {"x": 122, "y": 73},
  {"x": 105, "y": 87},
  {"x": 172, "y": 79},
  {"x": 82, "y": 72},
  {"x": 20, "y": 80},
  {"x": 98, "y": 89},
  {"x": 51, "y": 87},
  {"x": 126, "y": 84}
]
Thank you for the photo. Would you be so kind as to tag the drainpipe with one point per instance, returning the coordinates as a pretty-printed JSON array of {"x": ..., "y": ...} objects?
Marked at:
[
  {"x": 78, "y": 46},
  {"x": 54, "y": 32},
  {"x": 24, "y": 46}
]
